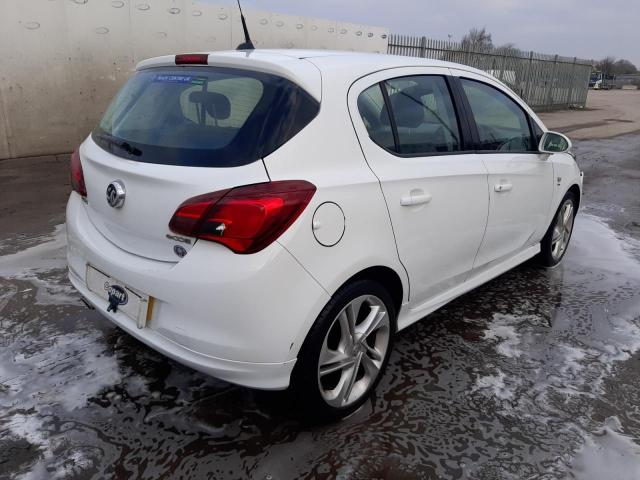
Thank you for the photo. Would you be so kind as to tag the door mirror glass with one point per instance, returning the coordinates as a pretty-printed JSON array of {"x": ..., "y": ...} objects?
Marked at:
[{"x": 553, "y": 142}]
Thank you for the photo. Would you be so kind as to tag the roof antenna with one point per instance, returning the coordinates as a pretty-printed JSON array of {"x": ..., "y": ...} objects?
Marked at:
[{"x": 248, "y": 44}]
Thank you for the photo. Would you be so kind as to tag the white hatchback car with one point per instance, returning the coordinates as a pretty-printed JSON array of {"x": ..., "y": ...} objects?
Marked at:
[{"x": 273, "y": 218}]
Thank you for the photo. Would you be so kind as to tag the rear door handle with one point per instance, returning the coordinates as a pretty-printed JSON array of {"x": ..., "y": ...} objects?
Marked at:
[
  {"x": 503, "y": 187},
  {"x": 415, "y": 199}
]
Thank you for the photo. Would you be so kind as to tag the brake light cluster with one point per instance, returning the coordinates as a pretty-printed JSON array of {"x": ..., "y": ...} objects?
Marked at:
[
  {"x": 245, "y": 219},
  {"x": 192, "y": 59},
  {"x": 77, "y": 176}
]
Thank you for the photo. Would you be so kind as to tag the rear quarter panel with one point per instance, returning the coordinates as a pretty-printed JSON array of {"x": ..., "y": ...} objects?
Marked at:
[{"x": 327, "y": 153}]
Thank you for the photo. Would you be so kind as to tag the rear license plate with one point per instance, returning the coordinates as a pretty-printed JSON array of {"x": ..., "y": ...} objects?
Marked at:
[{"x": 119, "y": 296}]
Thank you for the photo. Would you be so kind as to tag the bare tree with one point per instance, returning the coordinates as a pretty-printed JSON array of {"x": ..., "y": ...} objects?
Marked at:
[
  {"x": 623, "y": 66},
  {"x": 611, "y": 66},
  {"x": 606, "y": 65},
  {"x": 477, "y": 39},
  {"x": 507, "y": 49}
]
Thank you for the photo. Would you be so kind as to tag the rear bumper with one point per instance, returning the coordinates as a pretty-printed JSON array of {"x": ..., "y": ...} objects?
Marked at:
[
  {"x": 235, "y": 317},
  {"x": 256, "y": 375}
]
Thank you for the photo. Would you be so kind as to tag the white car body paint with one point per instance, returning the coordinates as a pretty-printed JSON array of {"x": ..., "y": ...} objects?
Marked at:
[
  {"x": 517, "y": 217},
  {"x": 244, "y": 318},
  {"x": 456, "y": 185}
]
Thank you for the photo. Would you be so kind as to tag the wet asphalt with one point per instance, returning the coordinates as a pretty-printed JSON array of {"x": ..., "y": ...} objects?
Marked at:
[{"x": 533, "y": 375}]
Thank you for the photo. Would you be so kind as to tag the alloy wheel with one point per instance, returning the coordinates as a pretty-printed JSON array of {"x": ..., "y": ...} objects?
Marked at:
[
  {"x": 353, "y": 351},
  {"x": 562, "y": 230}
]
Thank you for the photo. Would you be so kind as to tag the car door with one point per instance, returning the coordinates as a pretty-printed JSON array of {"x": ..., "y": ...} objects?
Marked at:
[
  {"x": 435, "y": 189},
  {"x": 520, "y": 182}
]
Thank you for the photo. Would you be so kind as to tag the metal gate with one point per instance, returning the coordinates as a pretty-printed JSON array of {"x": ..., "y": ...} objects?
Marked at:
[{"x": 545, "y": 82}]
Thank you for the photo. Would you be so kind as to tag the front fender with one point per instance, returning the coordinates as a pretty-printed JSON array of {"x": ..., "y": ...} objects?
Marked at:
[{"x": 566, "y": 174}]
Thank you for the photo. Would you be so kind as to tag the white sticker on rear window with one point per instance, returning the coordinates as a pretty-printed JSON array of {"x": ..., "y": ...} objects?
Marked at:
[{"x": 190, "y": 79}]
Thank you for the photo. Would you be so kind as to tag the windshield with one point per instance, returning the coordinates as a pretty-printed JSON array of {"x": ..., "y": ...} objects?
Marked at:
[{"x": 203, "y": 116}]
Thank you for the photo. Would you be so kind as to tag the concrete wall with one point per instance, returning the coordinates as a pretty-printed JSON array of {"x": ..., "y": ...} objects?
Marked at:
[{"x": 61, "y": 61}]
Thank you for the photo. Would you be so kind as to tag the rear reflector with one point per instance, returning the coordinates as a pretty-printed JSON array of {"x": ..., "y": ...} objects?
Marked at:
[
  {"x": 77, "y": 176},
  {"x": 245, "y": 219},
  {"x": 192, "y": 59}
]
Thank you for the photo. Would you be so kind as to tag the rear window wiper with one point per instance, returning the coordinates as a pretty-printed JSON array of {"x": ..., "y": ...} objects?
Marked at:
[{"x": 123, "y": 144}]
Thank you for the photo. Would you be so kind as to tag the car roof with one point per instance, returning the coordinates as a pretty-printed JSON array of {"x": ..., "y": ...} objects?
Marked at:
[
  {"x": 350, "y": 61},
  {"x": 305, "y": 67}
]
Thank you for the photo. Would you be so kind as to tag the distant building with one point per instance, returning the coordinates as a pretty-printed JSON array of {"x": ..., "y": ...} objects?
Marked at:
[{"x": 627, "y": 79}]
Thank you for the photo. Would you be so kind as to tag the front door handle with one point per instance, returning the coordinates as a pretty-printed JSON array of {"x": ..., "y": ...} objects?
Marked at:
[
  {"x": 503, "y": 187},
  {"x": 415, "y": 199}
]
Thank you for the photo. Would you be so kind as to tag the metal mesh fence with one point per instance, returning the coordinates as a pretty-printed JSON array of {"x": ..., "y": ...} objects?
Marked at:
[{"x": 545, "y": 82}]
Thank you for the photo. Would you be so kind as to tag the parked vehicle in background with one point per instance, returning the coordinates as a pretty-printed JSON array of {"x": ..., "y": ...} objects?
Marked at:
[
  {"x": 274, "y": 218},
  {"x": 601, "y": 81}
]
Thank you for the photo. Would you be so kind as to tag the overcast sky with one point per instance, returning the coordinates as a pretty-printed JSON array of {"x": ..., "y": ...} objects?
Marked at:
[{"x": 583, "y": 28}]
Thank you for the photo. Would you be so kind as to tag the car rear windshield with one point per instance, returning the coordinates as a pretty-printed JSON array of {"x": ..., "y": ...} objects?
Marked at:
[{"x": 203, "y": 116}]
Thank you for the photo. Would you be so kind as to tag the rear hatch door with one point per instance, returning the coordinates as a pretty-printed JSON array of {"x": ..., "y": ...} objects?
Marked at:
[
  {"x": 152, "y": 195},
  {"x": 172, "y": 133}
]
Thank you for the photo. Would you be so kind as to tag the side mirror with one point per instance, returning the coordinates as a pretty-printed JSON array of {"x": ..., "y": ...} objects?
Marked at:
[{"x": 554, "y": 142}]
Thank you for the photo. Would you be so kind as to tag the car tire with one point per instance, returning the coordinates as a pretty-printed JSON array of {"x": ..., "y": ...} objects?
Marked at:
[
  {"x": 555, "y": 243},
  {"x": 339, "y": 364}
]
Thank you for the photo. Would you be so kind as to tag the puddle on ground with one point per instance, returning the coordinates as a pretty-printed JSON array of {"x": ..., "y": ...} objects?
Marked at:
[
  {"x": 607, "y": 454},
  {"x": 533, "y": 375},
  {"x": 44, "y": 265}
]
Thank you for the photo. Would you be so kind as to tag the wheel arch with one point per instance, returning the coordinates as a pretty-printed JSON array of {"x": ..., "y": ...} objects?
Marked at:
[
  {"x": 575, "y": 189},
  {"x": 385, "y": 276}
]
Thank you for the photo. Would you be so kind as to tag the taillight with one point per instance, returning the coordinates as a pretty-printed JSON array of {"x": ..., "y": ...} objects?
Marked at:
[
  {"x": 77, "y": 177},
  {"x": 245, "y": 219},
  {"x": 192, "y": 59}
]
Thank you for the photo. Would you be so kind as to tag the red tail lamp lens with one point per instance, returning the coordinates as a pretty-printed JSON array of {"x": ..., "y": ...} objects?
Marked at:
[
  {"x": 77, "y": 177},
  {"x": 245, "y": 219}
]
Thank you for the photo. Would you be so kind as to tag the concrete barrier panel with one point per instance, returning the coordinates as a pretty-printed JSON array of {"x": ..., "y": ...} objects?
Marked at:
[{"x": 63, "y": 60}]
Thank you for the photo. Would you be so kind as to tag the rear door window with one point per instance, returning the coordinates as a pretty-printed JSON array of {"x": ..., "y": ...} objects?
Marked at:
[
  {"x": 424, "y": 115},
  {"x": 411, "y": 115},
  {"x": 502, "y": 124},
  {"x": 207, "y": 116}
]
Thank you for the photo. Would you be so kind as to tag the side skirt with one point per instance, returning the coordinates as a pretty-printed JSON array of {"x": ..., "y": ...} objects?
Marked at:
[{"x": 409, "y": 316}]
